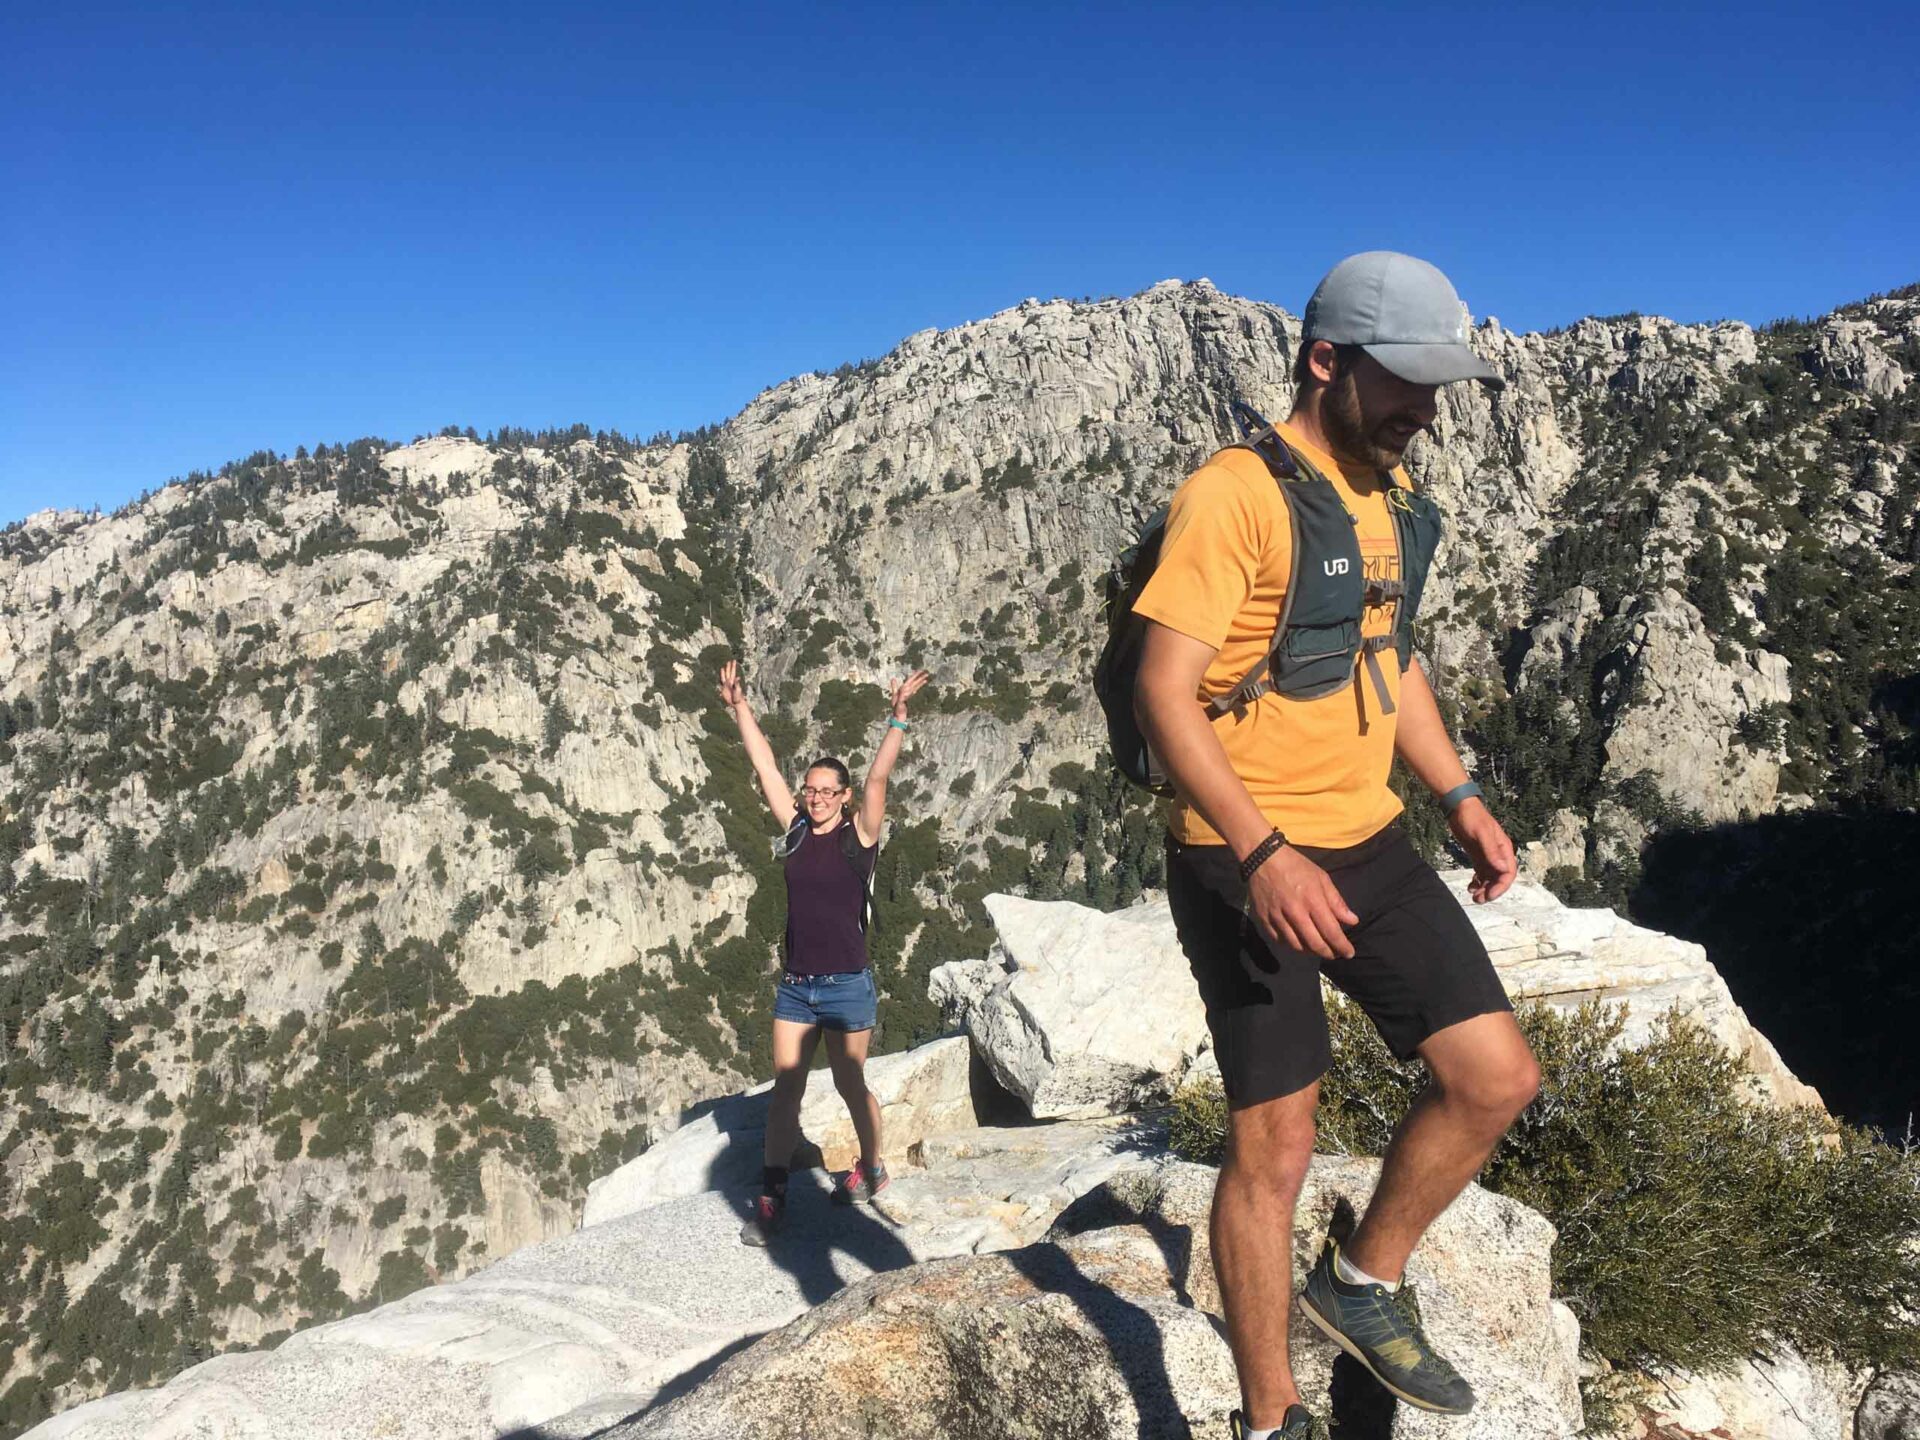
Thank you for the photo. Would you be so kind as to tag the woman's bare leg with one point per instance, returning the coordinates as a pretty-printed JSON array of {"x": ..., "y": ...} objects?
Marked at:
[
  {"x": 847, "y": 1054},
  {"x": 793, "y": 1045}
]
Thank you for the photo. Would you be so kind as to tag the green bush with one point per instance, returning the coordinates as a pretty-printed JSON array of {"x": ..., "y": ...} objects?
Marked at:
[{"x": 1696, "y": 1225}]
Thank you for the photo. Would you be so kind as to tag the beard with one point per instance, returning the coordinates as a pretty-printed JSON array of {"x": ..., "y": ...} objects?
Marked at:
[{"x": 1356, "y": 435}]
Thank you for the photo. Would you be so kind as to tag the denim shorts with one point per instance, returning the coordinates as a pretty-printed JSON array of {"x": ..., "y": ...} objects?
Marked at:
[{"x": 834, "y": 1002}]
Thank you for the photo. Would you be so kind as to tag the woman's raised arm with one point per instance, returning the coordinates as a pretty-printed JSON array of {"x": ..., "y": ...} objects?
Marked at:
[
  {"x": 873, "y": 795},
  {"x": 733, "y": 694}
]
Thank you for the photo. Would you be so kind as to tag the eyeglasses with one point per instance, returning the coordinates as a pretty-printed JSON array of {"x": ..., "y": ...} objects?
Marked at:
[{"x": 807, "y": 792}]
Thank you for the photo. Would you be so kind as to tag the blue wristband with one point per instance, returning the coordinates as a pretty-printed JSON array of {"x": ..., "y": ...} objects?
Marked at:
[
  {"x": 896, "y": 723},
  {"x": 1458, "y": 796}
]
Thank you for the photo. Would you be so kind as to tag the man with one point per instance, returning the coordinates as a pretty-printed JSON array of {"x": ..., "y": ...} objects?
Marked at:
[{"x": 1285, "y": 859}]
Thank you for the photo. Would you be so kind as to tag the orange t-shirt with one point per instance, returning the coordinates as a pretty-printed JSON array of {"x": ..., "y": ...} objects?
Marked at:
[{"x": 1316, "y": 768}]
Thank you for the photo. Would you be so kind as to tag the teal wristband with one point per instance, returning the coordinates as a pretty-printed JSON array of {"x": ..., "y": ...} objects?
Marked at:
[
  {"x": 896, "y": 723},
  {"x": 1458, "y": 796}
]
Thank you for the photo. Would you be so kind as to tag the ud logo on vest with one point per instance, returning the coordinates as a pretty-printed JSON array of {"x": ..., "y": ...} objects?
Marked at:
[{"x": 1335, "y": 567}]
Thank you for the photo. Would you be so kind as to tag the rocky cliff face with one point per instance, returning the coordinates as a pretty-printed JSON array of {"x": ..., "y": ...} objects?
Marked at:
[{"x": 376, "y": 873}]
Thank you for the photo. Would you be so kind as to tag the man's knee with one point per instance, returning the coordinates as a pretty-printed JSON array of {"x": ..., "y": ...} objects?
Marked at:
[
  {"x": 1271, "y": 1144},
  {"x": 1499, "y": 1086}
]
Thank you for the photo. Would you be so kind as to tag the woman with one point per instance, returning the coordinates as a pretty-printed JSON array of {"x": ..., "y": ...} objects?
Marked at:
[{"x": 829, "y": 852}]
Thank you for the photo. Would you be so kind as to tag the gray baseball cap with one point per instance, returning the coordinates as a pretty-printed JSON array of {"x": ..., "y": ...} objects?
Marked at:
[{"x": 1401, "y": 311}]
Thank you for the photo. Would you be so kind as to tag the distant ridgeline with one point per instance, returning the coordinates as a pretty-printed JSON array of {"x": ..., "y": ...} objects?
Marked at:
[{"x": 378, "y": 868}]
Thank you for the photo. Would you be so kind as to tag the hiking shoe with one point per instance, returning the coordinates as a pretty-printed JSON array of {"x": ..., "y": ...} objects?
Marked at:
[
  {"x": 860, "y": 1185},
  {"x": 1381, "y": 1329},
  {"x": 1300, "y": 1424},
  {"x": 764, "y": 1220}
]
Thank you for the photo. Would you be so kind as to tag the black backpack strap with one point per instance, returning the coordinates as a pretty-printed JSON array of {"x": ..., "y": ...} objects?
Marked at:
[
  {"x": 850, "y": 848},
  {"x": 1252, "y": 685},
  {"x": 1264, "y": 439}
]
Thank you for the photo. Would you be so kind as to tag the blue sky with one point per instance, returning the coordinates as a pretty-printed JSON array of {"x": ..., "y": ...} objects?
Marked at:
[{"x": 227, "y": 229}]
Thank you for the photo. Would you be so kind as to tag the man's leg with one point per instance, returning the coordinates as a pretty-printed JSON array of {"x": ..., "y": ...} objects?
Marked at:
[
  {"x": 1482, "y": 1077},
  {"x": 1269, "y": 1146}
]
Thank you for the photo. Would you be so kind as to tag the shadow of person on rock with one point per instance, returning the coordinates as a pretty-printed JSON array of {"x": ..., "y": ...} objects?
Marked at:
[
  {"x": 1130, "y": 1332},
  {"x": 816, "y": 1233},
  {"x": 814, "y": 1229}
]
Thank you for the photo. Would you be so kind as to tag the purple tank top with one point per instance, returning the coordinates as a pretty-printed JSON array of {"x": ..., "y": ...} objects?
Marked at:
[{"x": 825, "y": 901}]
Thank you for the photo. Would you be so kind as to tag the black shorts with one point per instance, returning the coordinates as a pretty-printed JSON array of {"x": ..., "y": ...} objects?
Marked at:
[{"x": 1417, "y": 966}]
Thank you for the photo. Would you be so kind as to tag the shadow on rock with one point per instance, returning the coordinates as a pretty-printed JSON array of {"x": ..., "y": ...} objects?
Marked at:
[
  {"x": 816, "y": 1231},
  {"x": 1130, "y": 1333}
]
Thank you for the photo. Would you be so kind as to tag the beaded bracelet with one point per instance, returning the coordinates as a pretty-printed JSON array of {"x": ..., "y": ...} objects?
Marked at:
[{"x": 1260, "y": 854}]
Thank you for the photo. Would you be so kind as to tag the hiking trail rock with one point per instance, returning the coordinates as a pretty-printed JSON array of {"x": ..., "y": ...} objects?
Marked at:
[{"x": 922, "y": 1091}]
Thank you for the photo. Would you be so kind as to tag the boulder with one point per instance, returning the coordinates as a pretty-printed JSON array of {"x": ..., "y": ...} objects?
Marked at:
[
  {"x": 1544, "y": 950},
  {"x": 1890, "y": 1409},
  {"x": 1097, "y": 1013},
  {"x": 1484, "y": 1273},
  {"x": 1780, "y": 1396},
  {"x": 922, "y": 1092},
  {"x": 959, "y": 986},
  {"x": 1082, "y": 1338}
]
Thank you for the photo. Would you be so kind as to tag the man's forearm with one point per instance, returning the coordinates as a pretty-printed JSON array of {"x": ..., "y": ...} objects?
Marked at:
[
  {"x": 1421, "y": 737},
  {"x": 1183, "y": 738}
]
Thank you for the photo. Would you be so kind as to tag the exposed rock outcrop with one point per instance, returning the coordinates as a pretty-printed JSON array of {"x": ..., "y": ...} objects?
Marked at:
[
  {"x": 1051, "y": 1278},
  {"x": 1092, "y": 1015},
  {"x": 1104, "y": 1013},
  {"x": 1565, "y": 956},
  {"x": 1683, "y": 724}
]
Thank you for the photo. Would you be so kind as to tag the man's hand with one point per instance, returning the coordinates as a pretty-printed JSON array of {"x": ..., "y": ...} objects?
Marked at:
[
  {"x": 1293, "y": 901},
  {"x": 1487, "y": 846}
]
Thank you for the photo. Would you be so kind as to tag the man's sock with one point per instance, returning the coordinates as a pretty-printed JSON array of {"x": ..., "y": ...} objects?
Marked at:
[
  {"x": 1348, "y": 1273},
  {"x": 773, "y": 1181}
]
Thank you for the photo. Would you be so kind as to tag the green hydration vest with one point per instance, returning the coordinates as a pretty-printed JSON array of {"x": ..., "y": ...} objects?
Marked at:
[{"x": 1317, "y": 646}]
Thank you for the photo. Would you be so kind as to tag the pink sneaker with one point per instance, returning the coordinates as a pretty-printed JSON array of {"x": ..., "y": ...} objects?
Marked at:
[
  {"x": 761, "y": 1224},
  {"x": 861, "y": 1185}
]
